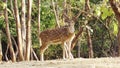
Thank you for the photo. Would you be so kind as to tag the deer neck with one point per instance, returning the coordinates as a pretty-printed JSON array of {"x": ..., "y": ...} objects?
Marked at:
[{"x": 71, "y": 28}]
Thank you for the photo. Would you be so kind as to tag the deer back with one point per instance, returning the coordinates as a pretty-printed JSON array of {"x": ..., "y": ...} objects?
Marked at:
[{"x": 57, "y": 35}]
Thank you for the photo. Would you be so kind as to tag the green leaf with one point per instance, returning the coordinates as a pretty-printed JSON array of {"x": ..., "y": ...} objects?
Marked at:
[
  {"x": 106, "y": 12},
  {"x": 115, "y": 28},
  {"x": 97, "y": 11}
]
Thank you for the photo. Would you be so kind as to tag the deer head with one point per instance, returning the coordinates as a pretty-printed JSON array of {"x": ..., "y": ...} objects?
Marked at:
[{"x": 71, "y": 22}]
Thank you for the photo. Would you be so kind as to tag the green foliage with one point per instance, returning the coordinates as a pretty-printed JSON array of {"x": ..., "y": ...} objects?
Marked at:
[
  {"x": 1, "y": 23},
  {"x": 103, "y": 10},
  {"x": 97, "y": 10},
  {"x": 115, "y": 29},
  {"x": 47, "y": 16},
  {"x": 102, "y": 45},
  {"x": 114, "y": 26},
  {"x": 2, "y": 5},
  {"x": 106, "y": 12},
  {"x": 96, "y": 1},
  {"x": 53, "y": 52}
]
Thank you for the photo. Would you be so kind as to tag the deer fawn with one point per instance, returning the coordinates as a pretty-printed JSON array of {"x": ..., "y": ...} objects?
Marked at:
[{"x": 63, "y": 35}]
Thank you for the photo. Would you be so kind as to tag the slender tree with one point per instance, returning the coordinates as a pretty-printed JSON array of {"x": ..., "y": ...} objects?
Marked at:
[
  {"x": 64, "y": 9},
  {"x": 23, "y": 25},
  {"x": 64, "y": 4},
  {"x": 78, "y": 43},
  {"x": 11, "y": 5},
  {"x": 39, "y": 5},
  {"x": 115, "y": 7},
  {"x": 87, "y": 6},
  {"x": 0, "y": 47},
  {"x": 18, "y": 28},
  {"x": 55, "y": 13},
  {"x": 76, "y": 38},
  {"x": 13, "y": 57},
  {"x": 28, "y": 31},
  {"x": 89, "y": 40}
]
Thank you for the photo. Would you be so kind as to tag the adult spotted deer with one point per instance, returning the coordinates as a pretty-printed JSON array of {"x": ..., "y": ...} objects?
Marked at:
[{"x": 63, "y": 35}]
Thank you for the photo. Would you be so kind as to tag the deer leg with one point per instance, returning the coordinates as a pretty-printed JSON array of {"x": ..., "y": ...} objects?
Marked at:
[
  {"x": 63, "y": 50},
  {"x": 65, "y": 53},
  {"x": 42, "y": 50},
  {"x": 69, "y": 50},
  {"x": 42, "y": 57}
]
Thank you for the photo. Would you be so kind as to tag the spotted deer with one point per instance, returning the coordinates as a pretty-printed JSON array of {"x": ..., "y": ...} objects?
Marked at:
[{"x": 63, "y": 35}]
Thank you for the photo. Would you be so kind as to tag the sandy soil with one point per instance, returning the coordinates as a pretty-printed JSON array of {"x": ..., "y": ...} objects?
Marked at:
[{"x": 75, "y": 63}]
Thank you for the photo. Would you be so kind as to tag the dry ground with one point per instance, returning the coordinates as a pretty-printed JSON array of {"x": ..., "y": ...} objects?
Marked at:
[{"x": 75, "y": 63}]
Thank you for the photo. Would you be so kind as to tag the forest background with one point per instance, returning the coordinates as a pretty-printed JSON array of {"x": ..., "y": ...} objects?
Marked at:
[{"x": 21, "y": 21}]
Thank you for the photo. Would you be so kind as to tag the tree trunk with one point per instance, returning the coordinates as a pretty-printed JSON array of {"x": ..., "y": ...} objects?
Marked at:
[
  {"x": 117, "y": 14},
  {"x": 34, "y": 54},
  {"x": 16, "y": 46},
  {"x": 6, "y": 58},
  {"x": 39, "y": 5},
  {"x": 23, "y": 24},
  {"x": 13, "y": 57},
  {"x": 55, "y": 13},
  {"x": 119, "y": 40},
  {"x": 78, "y": 43},
  {"x": 87, "y": 9},
  {"x": 76, "y": 38},
  {"x": 0, "y": 48},
  {"x": 28, "y": 31},
  {"x": 64, "y": 5},
  {"x": 87, "y": 6},
  {"x": 11, "y": 5},
  {"x": 18, "y": 28},
  {"x": 90, "y": 44}
]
